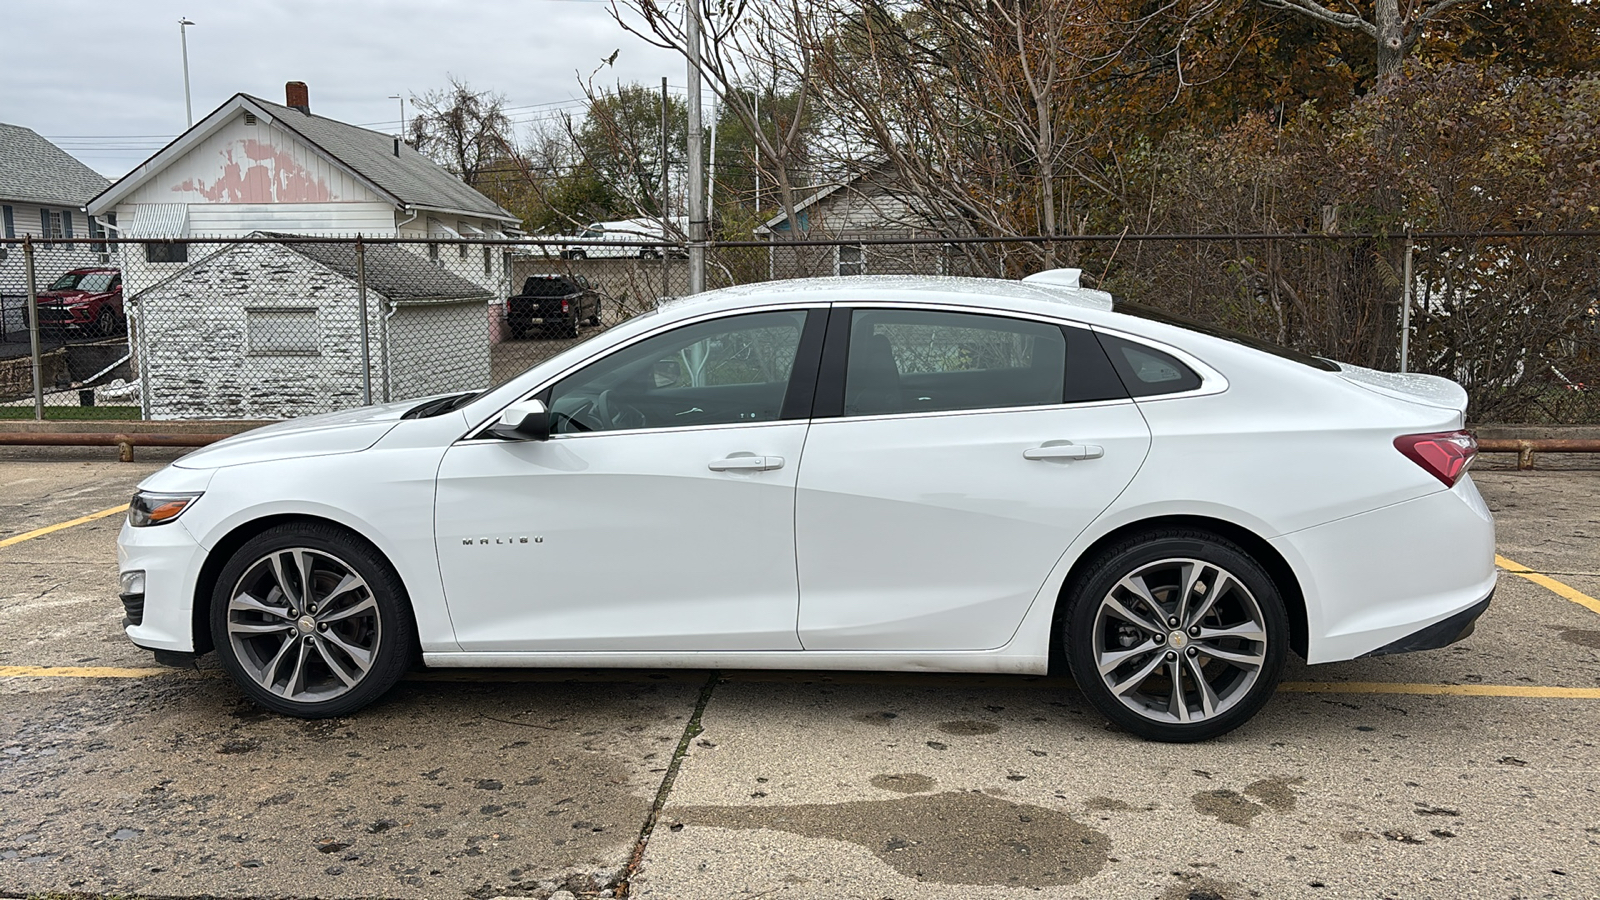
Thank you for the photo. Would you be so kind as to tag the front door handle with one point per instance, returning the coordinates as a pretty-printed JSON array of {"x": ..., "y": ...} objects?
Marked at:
[
  {"x": 746, "y": 464},
  {"x": 1065, "y": 450}
]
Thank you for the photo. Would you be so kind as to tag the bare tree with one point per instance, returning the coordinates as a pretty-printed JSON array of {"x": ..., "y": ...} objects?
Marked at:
[
  {"x": 466, "y": 131},
  {"x": 748, "y": 49},
  {"x": 1393, "y": 26}
]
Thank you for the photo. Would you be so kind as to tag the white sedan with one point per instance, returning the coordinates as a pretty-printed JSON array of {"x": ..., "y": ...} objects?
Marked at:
[{"x": 903, "y": 474}]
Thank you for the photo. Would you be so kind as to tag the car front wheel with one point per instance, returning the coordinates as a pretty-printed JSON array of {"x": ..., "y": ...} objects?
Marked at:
[
  {"x": 311, "y": 621},
  {"x": 1176, "y": 635}
]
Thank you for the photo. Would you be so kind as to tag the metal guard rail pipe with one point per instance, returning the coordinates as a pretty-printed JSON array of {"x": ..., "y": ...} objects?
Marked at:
[
  {"x": 123, "y": 442},
  {"x": 1525, "y": 448}
]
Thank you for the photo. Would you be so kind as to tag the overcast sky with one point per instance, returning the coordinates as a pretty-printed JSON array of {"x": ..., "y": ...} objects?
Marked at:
[{"x": 103, "y": 79}]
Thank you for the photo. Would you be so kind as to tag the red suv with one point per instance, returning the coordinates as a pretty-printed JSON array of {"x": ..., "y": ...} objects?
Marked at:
[{"x": 84, "y": 300}]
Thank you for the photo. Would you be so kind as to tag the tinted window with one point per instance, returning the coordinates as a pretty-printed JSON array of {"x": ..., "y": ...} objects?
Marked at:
[
  {"x": 711, "y": 373},
  {"x": 1155, "y": 315},
  {"x": 917, "y": 361},
  {"x": 1146, "y": 371}
]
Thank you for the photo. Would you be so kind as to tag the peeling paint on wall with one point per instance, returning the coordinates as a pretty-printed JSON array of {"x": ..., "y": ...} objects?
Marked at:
[{"x": 257, "y": 172}]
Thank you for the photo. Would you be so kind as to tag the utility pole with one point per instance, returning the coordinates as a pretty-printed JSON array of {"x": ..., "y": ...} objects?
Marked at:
[
  {"x": 183, "y": 35},
  {"x": 695, "y": 186},
  {"x": 666, "y": 289},
  {"x": 402, "y": 100}
]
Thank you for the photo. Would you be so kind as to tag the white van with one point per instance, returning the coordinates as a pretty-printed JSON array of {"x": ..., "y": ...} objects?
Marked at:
[{"x": 626, "y": 234}]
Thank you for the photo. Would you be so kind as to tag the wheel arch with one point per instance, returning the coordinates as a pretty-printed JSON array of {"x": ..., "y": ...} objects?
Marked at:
[
  {"x": 1282, "y": 574},
  {"x": 229, "y": 544}
]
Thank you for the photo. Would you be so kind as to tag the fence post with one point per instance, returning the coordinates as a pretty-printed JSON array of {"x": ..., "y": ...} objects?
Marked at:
[
  {"x": 33, "y": 329},
  {"x": 366, "y": 347},
  {"x": 1405, "y": 309}
]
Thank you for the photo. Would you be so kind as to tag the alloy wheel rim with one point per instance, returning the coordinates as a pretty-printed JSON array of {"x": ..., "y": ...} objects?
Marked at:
[
  {"x": 1179, "y": 640},
  {"x": 304, "y": 625}
]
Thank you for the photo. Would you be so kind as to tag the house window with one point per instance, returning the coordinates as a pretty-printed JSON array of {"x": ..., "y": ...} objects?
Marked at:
[
  {"x": 166, "y": 252},
  {"x": 289, "y": 331},
  {"x": 488, "y": 262},
  {"x": 851, "y": 260},
  {"x": 95, "y": 231},
  {"x": 10, "y": 221},
  {"x": 433, "y": 251},
  {"x": 49, "y": 226},
  {"x": 461, "y": 248}
]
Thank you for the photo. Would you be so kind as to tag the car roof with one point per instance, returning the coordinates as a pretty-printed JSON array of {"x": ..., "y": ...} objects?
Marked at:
[{"x": 980, "y": 292}]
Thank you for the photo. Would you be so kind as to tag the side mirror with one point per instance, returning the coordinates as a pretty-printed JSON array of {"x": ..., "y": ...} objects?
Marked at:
[{"x": 525, "y": 421}]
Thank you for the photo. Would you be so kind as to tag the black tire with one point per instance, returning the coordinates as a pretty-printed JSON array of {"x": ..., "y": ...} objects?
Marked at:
[
  {"x": 576, "y": 254},
  {"x": 269, "y": 640},
  {"x": 1231, "y": 601},
  {"x": 571, "y": 328},
  {"x": 594, "y": 317},
  {"x": 107, "y": 324}
]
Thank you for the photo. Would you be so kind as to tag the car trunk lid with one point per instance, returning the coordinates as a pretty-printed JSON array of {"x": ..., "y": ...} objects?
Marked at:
[{"x": 1428, "y": 390}]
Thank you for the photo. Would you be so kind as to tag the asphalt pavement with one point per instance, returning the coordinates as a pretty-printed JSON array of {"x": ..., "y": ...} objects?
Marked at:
[{"x": 1465, "y": 772}]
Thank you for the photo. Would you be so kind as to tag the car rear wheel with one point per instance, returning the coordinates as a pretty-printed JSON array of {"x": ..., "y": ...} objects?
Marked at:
[
  {"x": 1176, "y": 635},
  {"x": 311, "y": 621}
]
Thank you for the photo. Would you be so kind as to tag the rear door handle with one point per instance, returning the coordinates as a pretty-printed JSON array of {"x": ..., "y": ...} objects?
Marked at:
[
  {"x": 746, "y": 464},
  {"x": 1065, "y": 450}
]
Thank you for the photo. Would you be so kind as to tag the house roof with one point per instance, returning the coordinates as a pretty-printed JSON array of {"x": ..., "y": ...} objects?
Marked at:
[
  {"x": 409, "y": 180},
  {"x": 394, "y": 272},
  {"x": 34, "y": 170}
]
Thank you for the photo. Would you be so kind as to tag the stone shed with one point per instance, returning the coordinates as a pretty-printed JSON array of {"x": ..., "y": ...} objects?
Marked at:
[{"x": 273, "y": 329}]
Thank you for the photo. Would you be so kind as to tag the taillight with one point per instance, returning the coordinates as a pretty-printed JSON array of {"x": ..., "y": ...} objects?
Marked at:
[
  {"x": 1445, "y": 455},
  {"x": 565, "y": 306}
]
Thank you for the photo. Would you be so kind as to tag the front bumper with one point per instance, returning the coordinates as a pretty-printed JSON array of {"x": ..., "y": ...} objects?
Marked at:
[{"x": 171, "y": 559}]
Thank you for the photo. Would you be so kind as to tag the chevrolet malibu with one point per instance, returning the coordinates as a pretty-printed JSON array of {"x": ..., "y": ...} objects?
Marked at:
[{"x": 901, "y": 474}]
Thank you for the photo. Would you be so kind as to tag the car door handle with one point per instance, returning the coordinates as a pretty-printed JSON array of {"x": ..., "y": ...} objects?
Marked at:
[
  {"x": 1065, "y": 450},
  {"x": 746, "y": 464}
]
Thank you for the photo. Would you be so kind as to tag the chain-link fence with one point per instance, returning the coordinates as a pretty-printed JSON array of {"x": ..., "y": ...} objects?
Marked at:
[{"x": 275, "y": 326}]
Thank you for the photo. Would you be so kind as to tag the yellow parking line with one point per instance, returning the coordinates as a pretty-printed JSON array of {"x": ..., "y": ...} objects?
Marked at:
[
  {"x": 1457, "y": 690},
  {"x": 28, "y": 536},
  {"x": 81, "y": 672},
  {"x": 1548, "y": 583},
  {"x": 1295, "y": 687}
]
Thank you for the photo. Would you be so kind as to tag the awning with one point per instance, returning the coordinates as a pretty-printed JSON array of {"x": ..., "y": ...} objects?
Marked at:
[{"x": 157, "y": 220}]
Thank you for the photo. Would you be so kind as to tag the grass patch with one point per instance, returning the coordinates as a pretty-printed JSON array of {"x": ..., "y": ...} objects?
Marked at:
[{"x": 71, "y": 413}]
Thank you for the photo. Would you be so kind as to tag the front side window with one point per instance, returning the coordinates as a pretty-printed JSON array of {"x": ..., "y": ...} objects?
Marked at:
[
  {"x": 724, "y": 371},
  {"x": 903, "y": 361}
]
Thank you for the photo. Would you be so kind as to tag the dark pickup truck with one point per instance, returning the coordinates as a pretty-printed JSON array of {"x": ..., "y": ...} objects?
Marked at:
[{"x": 553, "y": 303}]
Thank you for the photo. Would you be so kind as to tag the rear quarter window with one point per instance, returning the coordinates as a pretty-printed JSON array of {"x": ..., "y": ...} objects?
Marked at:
[{"x": 1146, "y": 371}]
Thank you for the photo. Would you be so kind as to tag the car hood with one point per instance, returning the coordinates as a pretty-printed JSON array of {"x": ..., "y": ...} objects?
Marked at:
[
  {"x": 349, "y": 431},
  {"x": 62, "y": 296}
]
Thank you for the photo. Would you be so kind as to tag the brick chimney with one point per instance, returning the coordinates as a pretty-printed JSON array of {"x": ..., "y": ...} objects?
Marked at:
[{"x": 297, "y": 96}]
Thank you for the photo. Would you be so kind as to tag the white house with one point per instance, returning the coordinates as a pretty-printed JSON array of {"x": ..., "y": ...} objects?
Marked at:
[
  {"x": 866, "y": 205},
  {"x": 273, "y": 328},
  {"x": 42, "y": 193},
  {"x": 252, "y": 166}
]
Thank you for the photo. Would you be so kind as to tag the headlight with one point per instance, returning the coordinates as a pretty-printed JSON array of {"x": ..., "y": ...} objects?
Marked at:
[{"x": 157, "y": 509}]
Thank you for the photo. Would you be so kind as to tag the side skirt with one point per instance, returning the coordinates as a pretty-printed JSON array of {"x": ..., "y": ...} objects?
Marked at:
[{"x": 990, "y": 661}]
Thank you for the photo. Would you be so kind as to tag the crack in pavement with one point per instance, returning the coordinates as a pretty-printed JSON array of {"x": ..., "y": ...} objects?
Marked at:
[{"x": 690, "y": 731}]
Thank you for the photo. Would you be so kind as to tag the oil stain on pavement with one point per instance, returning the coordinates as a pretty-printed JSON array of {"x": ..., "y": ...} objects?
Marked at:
[
  {"x": 952, "y": 838},
  {"x": 1234, "y": 808}
]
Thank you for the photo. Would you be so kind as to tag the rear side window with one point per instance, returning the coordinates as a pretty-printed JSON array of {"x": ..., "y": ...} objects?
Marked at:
[
  {"x": 904, "y": 361},
  {"x": 1146, "y": 371}
]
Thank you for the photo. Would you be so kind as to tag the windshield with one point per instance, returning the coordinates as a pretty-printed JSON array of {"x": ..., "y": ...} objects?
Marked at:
[
  {"x": 95, "y": 282},
  {"x": 1156, "y": 315}
]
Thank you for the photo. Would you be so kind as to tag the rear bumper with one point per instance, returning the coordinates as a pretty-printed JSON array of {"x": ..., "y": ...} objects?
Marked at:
[
  {"x": 1442, "y": 633},
  {"x": 1394, "y": 578}
]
